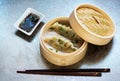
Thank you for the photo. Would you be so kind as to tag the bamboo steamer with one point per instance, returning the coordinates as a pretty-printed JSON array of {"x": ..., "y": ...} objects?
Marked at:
[
  {"x": 61, "y": 59},
  {"x": 92, "y": 24}
]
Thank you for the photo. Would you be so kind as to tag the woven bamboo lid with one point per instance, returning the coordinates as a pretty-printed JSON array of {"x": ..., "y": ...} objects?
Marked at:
[{"x": 92, "y": 24}]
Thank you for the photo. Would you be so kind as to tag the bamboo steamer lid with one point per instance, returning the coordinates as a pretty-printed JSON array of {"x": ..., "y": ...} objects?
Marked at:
[{"x": 92, "y": 24}]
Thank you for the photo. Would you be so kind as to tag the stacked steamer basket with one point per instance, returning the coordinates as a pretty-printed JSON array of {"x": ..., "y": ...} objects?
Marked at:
[{"x": 88, "y": 22}]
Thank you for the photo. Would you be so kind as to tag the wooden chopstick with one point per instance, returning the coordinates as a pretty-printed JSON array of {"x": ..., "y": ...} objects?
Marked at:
[
  {"x": 73, "y": 70},
  {"x": 62, "y": 73}
]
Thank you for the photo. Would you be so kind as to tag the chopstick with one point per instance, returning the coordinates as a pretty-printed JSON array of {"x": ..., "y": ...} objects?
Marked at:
[
  {"x": 62, "y": 73},
  {"x": 68, "y": 72},
  {"x": 73, "y": 70}
]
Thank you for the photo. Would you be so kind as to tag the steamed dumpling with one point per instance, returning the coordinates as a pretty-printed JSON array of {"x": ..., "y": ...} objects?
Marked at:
[
  {"x": 64, "y": 31},
  {"x": 60, "y": 44}
]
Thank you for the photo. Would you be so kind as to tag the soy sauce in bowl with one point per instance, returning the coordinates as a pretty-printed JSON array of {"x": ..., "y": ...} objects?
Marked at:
[{"x": 29, "y": 22}]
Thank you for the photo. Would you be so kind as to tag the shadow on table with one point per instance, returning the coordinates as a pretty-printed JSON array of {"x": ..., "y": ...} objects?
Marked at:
[
  {"x": 94, "y": 55},
  {"x": 29, "y": 38}
]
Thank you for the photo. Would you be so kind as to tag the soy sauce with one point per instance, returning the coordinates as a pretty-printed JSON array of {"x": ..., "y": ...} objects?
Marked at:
[{"x": 29, "y": 22}]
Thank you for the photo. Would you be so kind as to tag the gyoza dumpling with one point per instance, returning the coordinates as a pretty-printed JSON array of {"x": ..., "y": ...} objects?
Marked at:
[
  {"x": 60, "y": 44},
  {"x": 64, "y": 31}
]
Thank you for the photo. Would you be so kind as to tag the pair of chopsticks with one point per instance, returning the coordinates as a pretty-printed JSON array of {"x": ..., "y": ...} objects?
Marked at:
[{"x": 68, "y": 72}]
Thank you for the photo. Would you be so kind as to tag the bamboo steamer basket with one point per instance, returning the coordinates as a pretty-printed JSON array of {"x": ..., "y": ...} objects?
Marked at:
[
  {"x": 61, "y": 59},
  {"x": 92, "y": 24}
]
